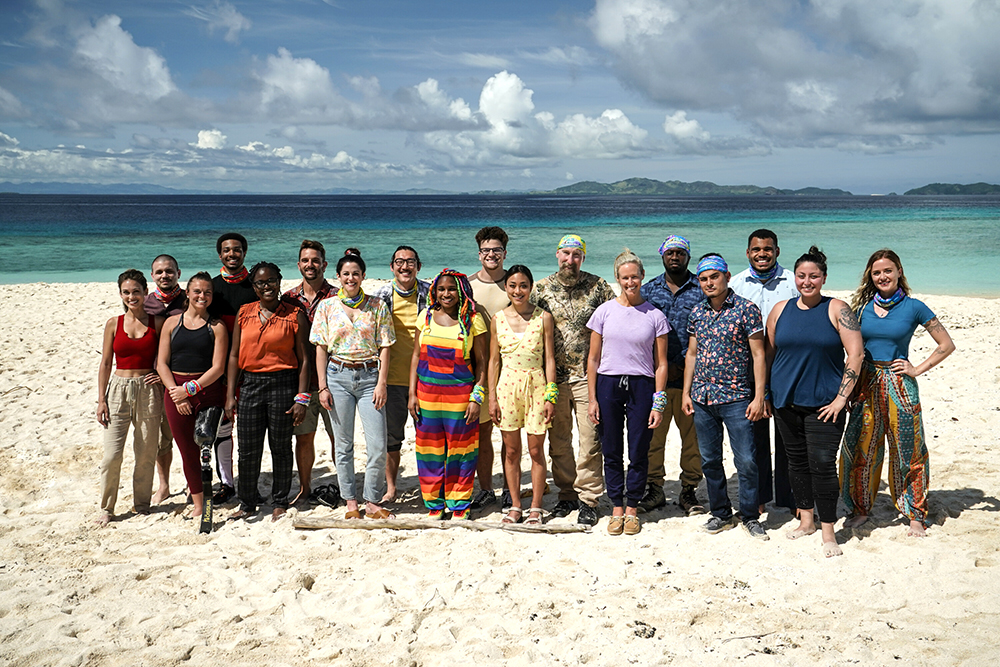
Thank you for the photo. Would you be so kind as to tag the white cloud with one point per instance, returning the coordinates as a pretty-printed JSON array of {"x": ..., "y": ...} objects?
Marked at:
[
  {"x": 803, "y": 73},
  {"x": 10, "y": 106},
  {"x": 296, "y": 84},
  {"x": 210, "y": 139},
  {"x": 109, "y": 51},
  {"x": 572, "y": 55},
  {"x": 483, "y": 60},
  {"x": 222, "y": 16},
  {"x": 679, "y": 126},
  {"x": 8, "y": 141}
]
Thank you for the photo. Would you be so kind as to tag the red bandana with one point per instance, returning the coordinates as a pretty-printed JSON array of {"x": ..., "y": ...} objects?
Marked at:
[
  {"x": 237, "y": 277},
  {"x": 169, "y": 296}
]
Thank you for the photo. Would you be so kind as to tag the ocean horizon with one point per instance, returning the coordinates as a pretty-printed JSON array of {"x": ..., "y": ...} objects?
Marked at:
[{"x": 88, "y": 238}]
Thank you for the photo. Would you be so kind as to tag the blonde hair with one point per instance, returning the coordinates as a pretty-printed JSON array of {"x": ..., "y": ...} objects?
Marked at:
[
  {"x": 866, "y": 291},
  {"x": 626, "y": 256}
]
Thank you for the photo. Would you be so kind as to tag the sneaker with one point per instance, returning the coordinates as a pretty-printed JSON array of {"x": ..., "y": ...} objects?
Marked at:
[
  {"x": 654, "y": 499},
  {"x": 461, "y": 515},
  {"x": 688, "y": 502},
  {"x": 564, "y": 508},
  {"x": 587, "y": 515},
  {"x": 484, "y": 498},
  {"x": 224, "y": 494},
  {"x": 716, "y": 525},
  {"x": 755, "y": 530},
  {"x": 505, "y": 502}
]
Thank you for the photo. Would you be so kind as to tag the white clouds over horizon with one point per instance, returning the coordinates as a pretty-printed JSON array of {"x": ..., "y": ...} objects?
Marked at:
[{"x": 222, "y": 16}]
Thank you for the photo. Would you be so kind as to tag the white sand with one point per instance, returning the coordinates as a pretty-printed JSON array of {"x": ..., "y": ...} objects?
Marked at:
[{"x": 150, "y": 590}]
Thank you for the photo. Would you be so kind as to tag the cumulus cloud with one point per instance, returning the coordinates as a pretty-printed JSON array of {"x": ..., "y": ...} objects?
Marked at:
[
  {"x": 8, "y": 141},
  {"x": 513, "y": 134},
  {"x": 110, "y": 52},
  {"x": 210, "y": 139},
  {"x": 805, "y": 73},
  {"x": 222, "y": 16}
]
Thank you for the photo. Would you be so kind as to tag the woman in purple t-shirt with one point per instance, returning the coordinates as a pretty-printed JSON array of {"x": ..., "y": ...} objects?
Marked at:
[{"x": 627, "y": 377}]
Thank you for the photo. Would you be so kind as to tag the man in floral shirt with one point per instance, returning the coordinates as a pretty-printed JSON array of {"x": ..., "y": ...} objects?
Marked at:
[
  {"x": 571, "y": 296},
  {"x": 727, "y": 332}
]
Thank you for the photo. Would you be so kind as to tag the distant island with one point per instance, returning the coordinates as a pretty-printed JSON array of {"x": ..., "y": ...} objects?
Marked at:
[
  {"x": 648, "y": 186},
  {"x": 956, "y": 189}
]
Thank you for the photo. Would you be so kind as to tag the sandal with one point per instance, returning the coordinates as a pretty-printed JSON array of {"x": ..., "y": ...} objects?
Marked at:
[
  {"x": 382, "y": 513},
  {"x": 353, "y": 514},
  {"x": 616, "y": 525},
  {"x": 534, "y": 520},
  {"x": 510, "y": 519},
  {"x": 632, "y": 525},
  {"x": 327, "y": 494}
]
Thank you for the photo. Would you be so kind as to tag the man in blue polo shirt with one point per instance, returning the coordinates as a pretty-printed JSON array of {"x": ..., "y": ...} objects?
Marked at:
[
  {"x": 727, "y": 334},
  {"x": 675, "y": 293},
  {"x": 766, "y": 283}
]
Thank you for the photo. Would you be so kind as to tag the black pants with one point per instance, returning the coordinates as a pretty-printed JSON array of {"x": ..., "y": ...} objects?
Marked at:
[
  {"x": 811, "y": 446},
  {"x": 264, "y": 401}
]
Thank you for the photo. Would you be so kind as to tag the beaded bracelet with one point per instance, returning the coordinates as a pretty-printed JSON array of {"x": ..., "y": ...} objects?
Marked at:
[
  {"x": 551, "y": 393},
  {"x": 192, "y": 387},
  {"x": 478, "y": 394},
  {"x": 660, "y": 401},
  {"x": 302, "y": 399}
]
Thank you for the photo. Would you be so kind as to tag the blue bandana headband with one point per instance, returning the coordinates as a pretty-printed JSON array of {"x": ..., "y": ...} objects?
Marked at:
[
  {"x": 675, "y": 242},
  {"x": 572, "y": 241},
  {"x": 712, "y": 263}
]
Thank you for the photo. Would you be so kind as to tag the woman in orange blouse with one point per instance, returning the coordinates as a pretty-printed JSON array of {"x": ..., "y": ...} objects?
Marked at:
[{"x": 269, "y": 348}]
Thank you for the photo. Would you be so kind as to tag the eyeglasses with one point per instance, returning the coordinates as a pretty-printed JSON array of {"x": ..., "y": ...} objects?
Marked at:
[
  {"x": 400, "y": 262},
  {"x": 261, "y": 284},
  {"x": 492, "y": 251}
]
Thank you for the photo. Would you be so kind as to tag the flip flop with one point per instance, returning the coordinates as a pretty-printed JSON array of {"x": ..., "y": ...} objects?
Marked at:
[{"x": 382, "y": 513}]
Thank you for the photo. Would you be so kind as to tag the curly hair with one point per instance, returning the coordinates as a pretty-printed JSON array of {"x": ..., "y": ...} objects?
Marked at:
[{"x": 466, "y": 306}]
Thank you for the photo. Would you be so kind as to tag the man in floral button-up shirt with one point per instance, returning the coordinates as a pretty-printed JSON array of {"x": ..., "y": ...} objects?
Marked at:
[{"x": 727, "y": 333}]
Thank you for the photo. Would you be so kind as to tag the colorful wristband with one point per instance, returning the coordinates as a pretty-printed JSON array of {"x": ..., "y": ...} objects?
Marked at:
[
  {"x": 660, "y": 401},
  {"x": 303, "y": 399},
  {"x": 551, "y": 393},
  {"x": 478, "y": 395},
  {"x": 191, "y": 387}
]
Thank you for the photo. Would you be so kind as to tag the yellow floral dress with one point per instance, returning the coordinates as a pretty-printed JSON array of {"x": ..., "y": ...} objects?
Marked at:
[{"x": 521, "y": 386}]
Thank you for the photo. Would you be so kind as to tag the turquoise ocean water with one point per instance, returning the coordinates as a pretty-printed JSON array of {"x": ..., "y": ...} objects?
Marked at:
[{"x": 949, "y": 245}]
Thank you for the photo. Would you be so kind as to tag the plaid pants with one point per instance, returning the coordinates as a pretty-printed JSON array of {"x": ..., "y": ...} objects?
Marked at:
[{"x": 264, "y": 400}]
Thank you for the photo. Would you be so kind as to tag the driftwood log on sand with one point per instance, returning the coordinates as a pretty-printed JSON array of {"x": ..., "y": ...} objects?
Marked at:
[{"x": 319, "y": 523}]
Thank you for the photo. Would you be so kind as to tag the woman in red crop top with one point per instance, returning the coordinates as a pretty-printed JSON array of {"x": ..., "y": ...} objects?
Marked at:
[
  {"x": 191, "y": 360},
  {"x": 132, "y": 394}
]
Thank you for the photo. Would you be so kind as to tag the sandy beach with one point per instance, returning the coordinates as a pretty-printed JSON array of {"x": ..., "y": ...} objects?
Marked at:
[{"x": 149, "y": 590}]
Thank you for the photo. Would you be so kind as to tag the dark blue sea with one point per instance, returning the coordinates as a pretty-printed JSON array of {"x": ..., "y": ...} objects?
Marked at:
[{"x": 949, "y": 245}]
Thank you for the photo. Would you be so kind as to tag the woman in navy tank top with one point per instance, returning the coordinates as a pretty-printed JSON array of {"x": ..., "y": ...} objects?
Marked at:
[{"x": 810, "y": 385}]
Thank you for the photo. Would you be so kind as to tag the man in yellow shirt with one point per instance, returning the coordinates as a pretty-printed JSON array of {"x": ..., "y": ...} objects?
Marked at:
[{"x": 404, "y": 296}]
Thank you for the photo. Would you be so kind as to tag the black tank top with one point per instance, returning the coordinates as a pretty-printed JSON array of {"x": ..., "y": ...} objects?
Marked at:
[{"x": 191, "y": 350}]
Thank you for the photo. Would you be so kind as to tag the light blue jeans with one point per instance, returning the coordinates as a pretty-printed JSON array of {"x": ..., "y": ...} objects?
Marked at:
[{"x": 353, "y": 389}]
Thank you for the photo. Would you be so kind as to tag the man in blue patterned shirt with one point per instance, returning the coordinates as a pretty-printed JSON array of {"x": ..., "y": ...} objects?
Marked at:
[
  {"x": 675, "y": 293},
  {"x": 727, "y": 332}
]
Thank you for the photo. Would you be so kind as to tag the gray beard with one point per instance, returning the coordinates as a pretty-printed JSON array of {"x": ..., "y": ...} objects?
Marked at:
[{"x": 567, "y": 277}]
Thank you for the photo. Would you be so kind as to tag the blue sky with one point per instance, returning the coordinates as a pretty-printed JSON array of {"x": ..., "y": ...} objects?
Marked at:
[{"x": 287, "y": 95}]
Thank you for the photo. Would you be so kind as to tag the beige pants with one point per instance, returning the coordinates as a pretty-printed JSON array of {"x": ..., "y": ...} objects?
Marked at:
[
  {"x": 581, "y": 476},
  {"x": 131, "y": 401},
  {"x": 690, "y": 455}
]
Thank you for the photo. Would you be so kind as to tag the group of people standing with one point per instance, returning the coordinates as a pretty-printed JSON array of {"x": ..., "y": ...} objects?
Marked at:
[{"x": 459, "y": 354}]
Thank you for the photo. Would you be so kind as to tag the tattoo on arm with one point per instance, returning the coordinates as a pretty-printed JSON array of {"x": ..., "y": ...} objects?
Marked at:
[
  {"x": 849, "y": 320},
  {"x": 933, "y": 326},
  {"x": 850, "y": 378}
]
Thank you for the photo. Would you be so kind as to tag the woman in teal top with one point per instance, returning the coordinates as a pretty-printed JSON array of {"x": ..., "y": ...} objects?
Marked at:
[{"x": 888, "y": 406}]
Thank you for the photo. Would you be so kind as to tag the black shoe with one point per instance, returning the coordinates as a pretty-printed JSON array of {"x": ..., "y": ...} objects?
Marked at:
[
  {"x": 716, "y": 525},
  {"x": 689, "y": 502},
  {"x": 755, "y": 530},
  {"x": 484, "y": 498},
  {"x": 587, "y": 515},
  {"x": 564, "y": 508},
  {"x": 505, "y": 502},
  {"x": 654, "y": 499},
  {"x": 224, "y": 494}
]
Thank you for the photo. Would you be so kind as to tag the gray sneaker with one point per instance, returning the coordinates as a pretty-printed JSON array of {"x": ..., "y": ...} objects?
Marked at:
[
  {"x": 654, "y": 499},
  {"x": 484, "y": 498},
  {"x": 755, "y": 530},
  {"x": 716, "y": 525}
]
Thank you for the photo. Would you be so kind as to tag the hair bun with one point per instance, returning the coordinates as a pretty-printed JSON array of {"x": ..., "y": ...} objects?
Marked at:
[
  {"x": 813, "y": 250},
  {"x": 352, "y": 252}
]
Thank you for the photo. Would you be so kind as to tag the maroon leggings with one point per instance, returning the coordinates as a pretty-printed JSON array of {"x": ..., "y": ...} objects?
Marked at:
[{"x": 182, "y": 426}]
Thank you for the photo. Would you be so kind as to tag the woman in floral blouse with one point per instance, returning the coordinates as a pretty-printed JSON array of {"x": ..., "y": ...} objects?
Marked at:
[{"x": 353, "y": 334}]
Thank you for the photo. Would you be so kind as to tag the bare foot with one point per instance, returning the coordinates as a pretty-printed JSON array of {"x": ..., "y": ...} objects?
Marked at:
[
  {"x": 390, "y": 496},
  {"x": 856, "y": 521},
  {"x": 831, "y": 549},
  {"x": 800, "y": 532},
  {"x": 278, "y": 513},
  {"x": 161, "y": 494},
  {"x": 302, "y": 497},
  {"x": 102, "y": 520},
  {"x": 239, "y": 515},
  {"x": 761, "y": 509},
  {"x": 916, "y": 529}
]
